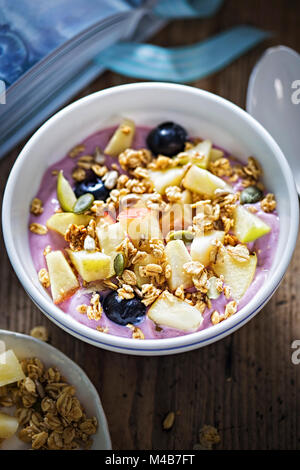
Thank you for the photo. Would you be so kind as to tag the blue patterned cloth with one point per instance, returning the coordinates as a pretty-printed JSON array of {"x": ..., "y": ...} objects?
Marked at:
[
  {"x": 49, "y": 50},
  {"x": 30, "y": 30}
]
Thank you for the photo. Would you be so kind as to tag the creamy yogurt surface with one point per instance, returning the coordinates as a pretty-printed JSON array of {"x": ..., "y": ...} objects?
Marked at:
[{"x": 264, "y": 247}]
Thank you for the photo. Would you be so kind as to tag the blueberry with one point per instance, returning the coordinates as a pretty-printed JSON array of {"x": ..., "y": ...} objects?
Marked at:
[
  {"x": 123, "y": 311},
  {"x": 92, "y": 185},
  {"x": 167, "y": 139}
]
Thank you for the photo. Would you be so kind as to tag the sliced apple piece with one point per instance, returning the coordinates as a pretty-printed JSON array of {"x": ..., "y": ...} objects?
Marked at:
[
  {"x": 65, "y": 194},
  {"x": 110, "y": 236},
  {"x": 237, "y": 275},
  {"x": 165, "y": 178},
  {"x": 247, "y": 226},
  {"x": 215, "y": 154},
  {"x": 121, "y": 139},
  {"x": 178, "y": 217},
  {"x": 10, "y": 368},
  {"x": 63, "y": 281},
  {"x": 202, "y": 246},
  {"x": 140, "y": 223},
  {"x": 186, "y": 197},
  {"x": 203, "y": 181},
  {"x": 172, "y": 312},
  {"x": 60, "y": 222},
  {"x": 8, "y": 426},
  {"x": 177, "y": 255},
  {"x": 92, "y": 266},
  {"x": 198, "y": 155}
]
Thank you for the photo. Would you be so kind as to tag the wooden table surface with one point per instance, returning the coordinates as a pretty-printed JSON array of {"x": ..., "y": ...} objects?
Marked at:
[{"x": 246, "y": 384}]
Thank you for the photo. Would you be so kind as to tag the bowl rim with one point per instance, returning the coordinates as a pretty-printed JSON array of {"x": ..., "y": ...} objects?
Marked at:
[
  {"x": 166, "y": 345},
  {"x": 77, "y": 368}
]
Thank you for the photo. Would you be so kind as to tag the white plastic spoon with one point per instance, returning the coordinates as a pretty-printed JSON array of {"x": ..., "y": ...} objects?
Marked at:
[{"x": 273, "y": 98}]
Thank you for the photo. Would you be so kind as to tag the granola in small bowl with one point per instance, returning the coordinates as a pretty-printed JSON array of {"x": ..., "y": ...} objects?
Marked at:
[
  {"x": 46, "y": 401},
  {"x": 151, "y": 233}
]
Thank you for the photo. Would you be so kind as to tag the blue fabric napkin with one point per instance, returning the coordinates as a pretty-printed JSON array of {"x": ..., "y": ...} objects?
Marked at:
[{"x": 181, "y": 64}]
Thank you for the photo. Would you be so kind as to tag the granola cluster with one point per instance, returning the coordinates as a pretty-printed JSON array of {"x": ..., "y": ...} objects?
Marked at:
[{"x": 49, "y": 414}]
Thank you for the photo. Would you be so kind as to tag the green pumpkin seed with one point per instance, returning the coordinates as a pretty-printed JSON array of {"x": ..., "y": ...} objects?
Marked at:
[
  {"x": 185, "y": 235},
  {"x": 213, "y": 292},
  {"x": 251, "y": 195},
  {"x": 119, "y": 264},
  {"x": 83, "y": 203}
]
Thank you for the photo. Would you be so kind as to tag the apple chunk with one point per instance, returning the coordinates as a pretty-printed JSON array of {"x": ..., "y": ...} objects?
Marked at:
[
  {"x": 170, "y": 311},
  {"x": 63, "y": 281},
  {"x": 165, "y": 178},
  {"x": 215, "y": 154},
  {"x": 110, "y": 236},
  {"x": 203, "y": 181},
  {"x": 121, "y": 139},
  {"x": 8, "y": 426},
  {"x": 140, "y": 223},
  {"x": 60, "y": 222},
  {"x": 247, "y": 226},
  {"x": 10, "y": 368},
  {"x": 202, "y": 246},
  {"x": 198, "y": 155},
  {"x": 177, "y": 255},
  {"x": 92, "y": 266},
  {"x": 237, "y": 275}
]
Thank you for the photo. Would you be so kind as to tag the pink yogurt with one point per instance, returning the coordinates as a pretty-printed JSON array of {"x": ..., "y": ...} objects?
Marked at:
[{"x": 264, "y": 247}]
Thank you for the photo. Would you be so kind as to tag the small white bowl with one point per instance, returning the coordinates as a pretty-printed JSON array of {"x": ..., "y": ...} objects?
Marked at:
[
  {"x": 26, "y": 346},
  {"x": 202, "y": 114}
]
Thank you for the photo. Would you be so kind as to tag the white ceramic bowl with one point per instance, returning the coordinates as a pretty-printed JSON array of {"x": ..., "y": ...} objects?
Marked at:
[
  {"x": 201, "y": 113},
  {"x": 26, "y": 346}
]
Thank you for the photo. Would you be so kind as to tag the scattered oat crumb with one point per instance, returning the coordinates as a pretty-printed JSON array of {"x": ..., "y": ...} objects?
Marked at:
[
  {"x": 227, "y": 292},
  {"x": 78, "y": 174},
  {"x": 82, "y": 309},
  {"x": 126, "y": 130},
  {"x": 126, "y": 292},
  {"x": 136, "y": 332},
  {"x": 54, "y": 172},
  {"x": 129, "y": 277},
  {"x": 40, "y": 332},
  {"x": 38, "y": 229},
  {"x": 36, "y": 207},
  {"x": 216, "y": 317},
  {"x": 47, "y": 250},
  {"x": 168, "y": 421},
  {"x": 252, "y": 209},
  {"x": 94, "y": 310},
  {"x": 268, "y": 204},
  {"x": 99, "y": 170},
  {"x": 239, "y": 253},
  {"x": 208, "y": 437},
  {"x": 44, "y": 279},
  {"x": 101, "y": 329},
  {"x": 76, "y": 151},
  {"x": 230, "y": 308}
]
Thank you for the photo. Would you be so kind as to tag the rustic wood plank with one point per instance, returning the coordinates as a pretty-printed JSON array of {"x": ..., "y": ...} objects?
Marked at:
[{"x": 245, "y": 385}]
